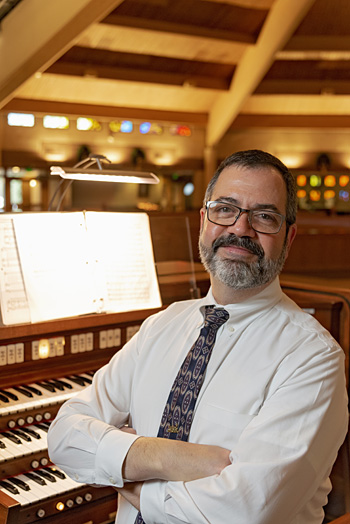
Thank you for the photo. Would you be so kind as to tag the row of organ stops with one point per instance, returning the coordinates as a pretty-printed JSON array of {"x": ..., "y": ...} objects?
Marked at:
[{"x": 324, "y": 191}]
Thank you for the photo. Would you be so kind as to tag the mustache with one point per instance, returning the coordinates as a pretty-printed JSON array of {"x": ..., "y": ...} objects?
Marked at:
[{"x": 244, "y": 242}]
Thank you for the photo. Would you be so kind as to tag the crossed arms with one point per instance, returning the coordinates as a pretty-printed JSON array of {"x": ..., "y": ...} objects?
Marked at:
[{"x": 157, "y": 458}]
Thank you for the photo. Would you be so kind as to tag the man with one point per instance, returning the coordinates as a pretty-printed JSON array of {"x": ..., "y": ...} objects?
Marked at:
[{"x": 271, "y": 411}]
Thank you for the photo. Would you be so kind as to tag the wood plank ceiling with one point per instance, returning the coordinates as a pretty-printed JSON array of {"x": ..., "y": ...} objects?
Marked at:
[{"x": 227, "y": 63}]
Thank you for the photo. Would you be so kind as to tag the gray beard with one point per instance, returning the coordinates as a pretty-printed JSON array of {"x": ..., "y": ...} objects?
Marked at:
[{"x": 238, "y": 274}]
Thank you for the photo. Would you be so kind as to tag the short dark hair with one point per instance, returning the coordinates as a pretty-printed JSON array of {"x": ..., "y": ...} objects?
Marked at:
[{"x": 254, "y": 158}]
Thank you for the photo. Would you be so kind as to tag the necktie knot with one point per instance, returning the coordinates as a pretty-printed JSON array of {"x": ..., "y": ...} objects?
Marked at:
[{"x": 215, "y": 317}]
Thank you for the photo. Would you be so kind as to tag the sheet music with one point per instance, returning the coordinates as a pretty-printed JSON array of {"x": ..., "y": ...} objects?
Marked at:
[
  {"x": 13, "y": 298},
  {"x": 55, "y": 264},
  {"x": 124, "y": 258}
]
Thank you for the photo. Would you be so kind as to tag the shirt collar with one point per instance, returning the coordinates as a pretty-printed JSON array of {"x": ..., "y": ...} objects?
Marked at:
[{"x": 251, "y": 308}]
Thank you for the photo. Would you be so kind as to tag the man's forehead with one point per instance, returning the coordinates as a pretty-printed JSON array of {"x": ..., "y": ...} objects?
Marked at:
[
  {"x": 264, "y": 184},
  {"x": 267, "y": 175}
]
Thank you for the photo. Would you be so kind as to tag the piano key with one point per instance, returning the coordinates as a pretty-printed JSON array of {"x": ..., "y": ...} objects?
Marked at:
[
  {"x": 43, "y": 394},
  {"x": 10, "y": 487},
  {"x": 23, "y": 391},
  {"x": 8, "y": 394},
  {"x": 24, "y": 489},
  {"x": 22, "y": 435},
  {"x": 32, "y": 389},
  {"x": 4, "y": 399}
]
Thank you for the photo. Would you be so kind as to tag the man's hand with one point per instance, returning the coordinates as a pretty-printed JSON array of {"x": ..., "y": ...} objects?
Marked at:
[
  {"x": 131, "y": 492},
  {"x": 164, "y": 459}
]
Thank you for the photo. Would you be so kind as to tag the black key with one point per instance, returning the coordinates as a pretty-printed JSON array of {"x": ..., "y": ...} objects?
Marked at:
[
  {"x": 56, "y": 384},
  {"x": 43, "y": 427},
  {"x": 20, "y": 484},
  {"x": 10, "y": 487},
  {"x": 46, "y": 475},
  {"x": 2, "y": 445},
  {"x": 77, "y": 380},
  {"x": 23, "y": 391},
  {"x": 32, "y": 389},
  {"x": 31, "y": 432},
  {"x": 58, "y": 474},
  {"x": 85, "y": 379},
  {"x": 35, "y": 478},
  {"x": 63, "y": 383},
  {"x": 19, "y": 433},
  {"x": 48, "y": 387},
  {"x": 3, "y": 398},
  {"x": 13, "y": 439},
  {"x": 9, "y": 394}
]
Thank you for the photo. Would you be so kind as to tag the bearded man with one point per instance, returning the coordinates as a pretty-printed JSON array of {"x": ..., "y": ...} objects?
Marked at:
[{"x": 257, "y": 408}]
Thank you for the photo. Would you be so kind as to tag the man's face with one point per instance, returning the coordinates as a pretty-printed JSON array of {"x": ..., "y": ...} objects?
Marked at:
[{"x": 238, "y": 256}]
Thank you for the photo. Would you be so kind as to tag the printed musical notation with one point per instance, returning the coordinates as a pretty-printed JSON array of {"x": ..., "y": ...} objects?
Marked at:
[
  {"x": 56, "y": 265},
  {"x": 13, "y": 298}
]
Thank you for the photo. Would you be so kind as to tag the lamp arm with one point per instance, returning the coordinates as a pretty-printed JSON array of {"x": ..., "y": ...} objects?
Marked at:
[
  {"x": 63, "y": 194},
  {"x": 55, "y": 193}
]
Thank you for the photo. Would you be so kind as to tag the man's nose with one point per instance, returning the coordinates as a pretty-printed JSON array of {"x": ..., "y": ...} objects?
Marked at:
[{"x": 241, "y": 227}]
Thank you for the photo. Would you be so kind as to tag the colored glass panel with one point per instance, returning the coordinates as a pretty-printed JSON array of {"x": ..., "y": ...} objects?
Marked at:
[
  {"x": 180, "y": 130},
  {"x": 126, "y": 126},
  {"x": 329, "y": 194},
  {"x": 344, "y": 195},
  {"x": 301, "y": 180},
  {"x": 315, "y": 195},
  {"x": 20, "y": 119},
  {"x": 301, "y": 193},
  {"x": 330, "y": 181},
  {"x": 55, "y": 122},
  {"x": 315, "y": 180},
  {"x": 145, "y": 128},
  {"x": 344, "y": 180},
  {"x": 88, "y": 124}
]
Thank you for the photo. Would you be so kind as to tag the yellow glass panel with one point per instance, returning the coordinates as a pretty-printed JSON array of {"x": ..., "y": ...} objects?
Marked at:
[
  {"x": 344, "y": 180},
  {"x": 330, "y": 181},
  {"x": 315, "y": 195},
  {"x": 329, "y": 194},
  {"x": 301, "y": 193},
  {"x": 315, "y": 180},
  {"x": 301, "y": 180}
]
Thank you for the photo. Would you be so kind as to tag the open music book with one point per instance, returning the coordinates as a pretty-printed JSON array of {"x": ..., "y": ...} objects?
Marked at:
[{"x": 56, "y": 265}]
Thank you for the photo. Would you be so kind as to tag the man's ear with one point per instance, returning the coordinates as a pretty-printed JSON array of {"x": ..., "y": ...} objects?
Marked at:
[
  {"x": 291, "y": 236},
  {"x": 202, "y": 216}
]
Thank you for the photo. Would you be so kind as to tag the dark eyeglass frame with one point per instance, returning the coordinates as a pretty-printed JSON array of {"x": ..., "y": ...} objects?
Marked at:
[{"x": 241, "y": 211}]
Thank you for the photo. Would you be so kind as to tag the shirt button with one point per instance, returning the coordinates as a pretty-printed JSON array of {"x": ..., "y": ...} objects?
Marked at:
[
  {"x": 76, "y": 476},
  {"x": 111, "y": 480},
  {"x": 231, "y": 329}
]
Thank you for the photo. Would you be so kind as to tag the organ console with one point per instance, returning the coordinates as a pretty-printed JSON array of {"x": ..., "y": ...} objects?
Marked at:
[
  {"x": 44, "y": 364},
  {"x": 41, "y": 366}
]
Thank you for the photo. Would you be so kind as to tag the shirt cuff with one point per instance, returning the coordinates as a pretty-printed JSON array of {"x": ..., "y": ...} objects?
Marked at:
[{"x": 110, "y": 455}]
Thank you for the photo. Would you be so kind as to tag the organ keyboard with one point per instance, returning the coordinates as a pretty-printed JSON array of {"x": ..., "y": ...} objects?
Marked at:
[{"x": 56, "y": 360}]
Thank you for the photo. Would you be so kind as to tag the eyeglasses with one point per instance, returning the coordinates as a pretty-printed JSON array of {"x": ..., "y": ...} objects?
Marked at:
[{"x": 261, "y": 220}]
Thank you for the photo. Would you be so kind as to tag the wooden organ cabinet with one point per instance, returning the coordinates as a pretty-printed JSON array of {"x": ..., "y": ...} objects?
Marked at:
[
  {"x": 32, "y": 389},
  {"x": 328, "y": 299}
]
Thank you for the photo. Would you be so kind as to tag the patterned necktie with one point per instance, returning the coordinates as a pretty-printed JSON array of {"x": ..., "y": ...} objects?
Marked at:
[{"x": 178, "y": 412}]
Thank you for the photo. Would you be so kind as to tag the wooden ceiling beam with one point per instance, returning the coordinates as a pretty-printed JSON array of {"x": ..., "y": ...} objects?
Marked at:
[
  {"x": 139, "y": 75},
  {"x": 304, "y": 87},
  {"x": 178, "y": 28},
  {"x": 290, "y": 121},
  {"x": 100, "y": 111},
  {"x": 317, "y": 43},
  {"x": 37, "y": 32},
  {"x": 254, "y": 65}
]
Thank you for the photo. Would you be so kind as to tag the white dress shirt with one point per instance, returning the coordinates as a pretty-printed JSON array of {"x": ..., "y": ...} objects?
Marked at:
[{"x": 274, "y": 394}]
